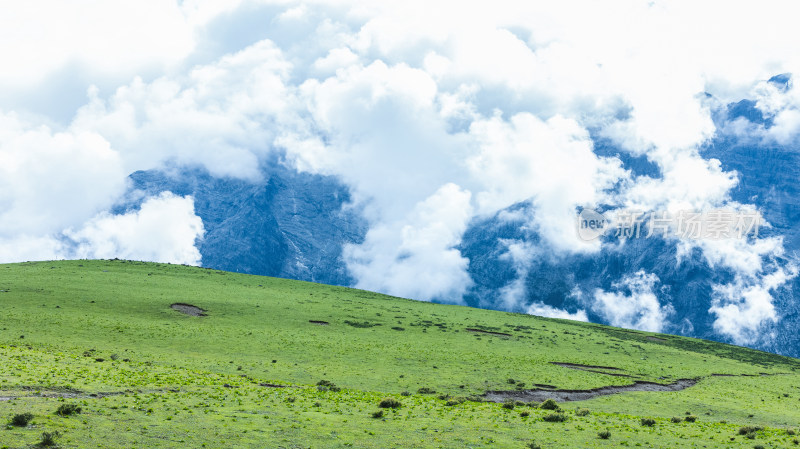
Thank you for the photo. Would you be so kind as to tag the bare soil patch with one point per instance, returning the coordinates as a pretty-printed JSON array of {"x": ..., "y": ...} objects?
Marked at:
[
  {"x": 594, "y": 369},
  {"x": 188, "y": 309},
  {"x": 481, "y": 331},
  {"x": 539, "y": 395},
  {"x": 651, "y": 338}
]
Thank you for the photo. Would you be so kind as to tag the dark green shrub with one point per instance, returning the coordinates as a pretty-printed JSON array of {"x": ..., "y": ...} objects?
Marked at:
[
  {"x": 549, "y": 405},
  {"x": 533, "y": 445},
  {"x": 649, "y": 422},
  {"x": 690, "y": 418},
  {"x": 524, "y": 414},
  {"x": 508, "y": 404},
  {"x": 511, "y": 381},
  {"x": 758, "y": 446},
  {"x": 390, "y": 403},
  {"x": 68, "y": 409},
  {"x": 582, "y": 411},
  {"x": 21, "y": 419},
  {"x": 405, "y": 393},
  {"x": 745, "y": 430},
  {"x": 426, "y": 390},
  {"x": 326, "y": 385},
  {"x": 555, "y": 417},
  {"x": 378, "y": 414},
  {"x": 604, "y": 435},
  {"x": 49, "y": 439},
  {"x": 676, "y": 419}
]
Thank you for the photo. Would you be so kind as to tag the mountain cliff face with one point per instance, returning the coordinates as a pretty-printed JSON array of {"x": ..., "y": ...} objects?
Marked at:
[
  {"x": 289, "y": 225},
  {"x": 295, "y": 225}
]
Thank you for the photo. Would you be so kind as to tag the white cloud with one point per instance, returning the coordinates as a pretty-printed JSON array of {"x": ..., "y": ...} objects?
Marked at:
[
  {"x": 633, "y": 305},
  {"x": 415, "y": 257},
  {"x": 164, "y": 229},
  {"x": 51, "y": 180},
  {"x": 541, "y": 309},
  {"x": 744, "y": 305}
]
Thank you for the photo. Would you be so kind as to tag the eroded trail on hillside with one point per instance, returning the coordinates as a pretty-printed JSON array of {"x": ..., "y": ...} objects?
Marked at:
[{"x": 542, "y": 394}]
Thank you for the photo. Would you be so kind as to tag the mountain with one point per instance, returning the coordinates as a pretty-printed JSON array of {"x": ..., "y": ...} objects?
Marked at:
[{"x": 296, "y": 225}]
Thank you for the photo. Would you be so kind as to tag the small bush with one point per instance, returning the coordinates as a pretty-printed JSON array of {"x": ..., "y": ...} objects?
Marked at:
[
  {"x": 582, "y": 411},
  {"x": 749, "y": 429},
  {"x": 426, "y": 390},
  {"x": 604, "y": 435},
  {"x": 405, "y": 393},
  {"x": 758, "y": 446},
  {"x": 555, "y": 417},
  {"x": 649, "y": 422},
  {"x": 509, "y": 405},
  {"x": 511, "y": 381},
  {"x": 549, "y": 405},
  {"x": 790, "y": 432},
  {"x": 49, "y": 439},
  {"x": 390, "y": 403},
  {"x": 533, "y": 445},
  {"x": 524, "y": 414},
  {"x": 21, "y": 419},
  {"x": 378, "y": 414},
  {"x": 326, "y": 385},
  {"x": 68, "y": 409},
  {"x": 676, "y": 419},
  {"x": 690, "y": 418}
]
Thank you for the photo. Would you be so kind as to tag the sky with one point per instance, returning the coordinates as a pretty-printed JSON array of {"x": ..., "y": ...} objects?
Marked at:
[{"x": 433, "y": 113}]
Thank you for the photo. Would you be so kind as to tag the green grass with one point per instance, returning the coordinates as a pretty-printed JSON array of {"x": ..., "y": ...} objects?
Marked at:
[{"x": 101, "y": 335}]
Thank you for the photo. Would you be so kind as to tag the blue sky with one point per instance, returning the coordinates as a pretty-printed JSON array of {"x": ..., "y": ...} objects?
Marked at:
[{"x": 433, "y": 113}]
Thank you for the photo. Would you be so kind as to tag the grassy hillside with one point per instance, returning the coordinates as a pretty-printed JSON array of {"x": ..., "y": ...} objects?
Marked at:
[{"x": 102, "y": 335}]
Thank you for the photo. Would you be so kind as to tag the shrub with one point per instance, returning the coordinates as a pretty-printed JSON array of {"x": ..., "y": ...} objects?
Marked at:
[
  {"x": 511, "y": 381},
  {"x": 790, "y": 432},
  {"x": 405, "y": 393},
  {"x": 549, "y": 405},
  {"x": 68, "y": 409},
  {"x": 690, "y": 418},
  {"x": 533, "y": 445},
  {"x": 555, "y": 417},
  {"x": 21, "y": 419},
  {"x": 758, "y": 446},
  {"x": 524, "y": 414},
  {"x": 426, "y": 390},
  {"x": 326, "y": 385},
  {"x": 508, "y": 405},
  {"x": 749, "y": 429},
  {"x": 378, "y": 414},
  {"x": 676, "y": 419},
  {"x": 49, "y": 439},
  {"x": 604, "y": 435},
  {"x": 390, "y": 403},
  {"x": 582, "y": 411},
  {"x": 649, "y": 422}
]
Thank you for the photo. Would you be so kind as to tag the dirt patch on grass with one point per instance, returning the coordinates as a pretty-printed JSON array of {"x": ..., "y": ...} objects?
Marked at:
[
  {"x": 481, "y": 331},
  {"x": 594, "y": 369},
  {"x": 188, "y": 309},
  {"x": 651, "y": 338},
  {"x": 539, "y": 395},
  {"x": 584, "y": 367},
  {"x": 320, "y": 322}
]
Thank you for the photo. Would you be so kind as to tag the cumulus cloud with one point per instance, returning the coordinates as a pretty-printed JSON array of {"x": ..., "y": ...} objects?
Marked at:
[
  {"x": 742, "y": 307},
  {"x": 164, "y": 229},
  {"x": 416, "y": 257},
  {"x": 633, "y": 305}
]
